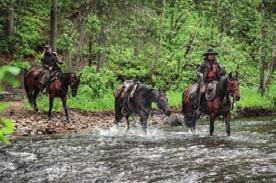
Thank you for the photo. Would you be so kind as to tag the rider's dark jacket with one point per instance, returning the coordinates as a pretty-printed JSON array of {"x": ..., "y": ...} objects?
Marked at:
[
  {"x": 50, "y": 60},
  {"x": 210, "y": 71}
]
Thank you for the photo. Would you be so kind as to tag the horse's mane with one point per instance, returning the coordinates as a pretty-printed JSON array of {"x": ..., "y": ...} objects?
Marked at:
[
  {"x": 221, "y": 85},
  {"x": 64, "y": 77}
]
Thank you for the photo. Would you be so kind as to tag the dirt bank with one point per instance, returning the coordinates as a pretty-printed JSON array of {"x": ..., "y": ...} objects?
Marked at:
[{"x": 36, "y": 123}]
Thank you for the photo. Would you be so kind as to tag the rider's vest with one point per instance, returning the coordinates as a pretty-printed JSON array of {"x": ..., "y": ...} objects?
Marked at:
[{"x": 212, "y": 73}]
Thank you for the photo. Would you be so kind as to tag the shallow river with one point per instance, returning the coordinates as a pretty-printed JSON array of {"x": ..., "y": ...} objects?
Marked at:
[{"x": 170, "y": 154}]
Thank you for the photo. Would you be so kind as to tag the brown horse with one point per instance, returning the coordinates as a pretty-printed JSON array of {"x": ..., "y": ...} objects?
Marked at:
[
  {"x": 219, "y": 105},
  {"x": 58, "y": 87}
]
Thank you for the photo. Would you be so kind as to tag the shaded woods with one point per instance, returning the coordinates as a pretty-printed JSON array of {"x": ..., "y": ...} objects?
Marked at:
[{"x": 158, "y": 42}]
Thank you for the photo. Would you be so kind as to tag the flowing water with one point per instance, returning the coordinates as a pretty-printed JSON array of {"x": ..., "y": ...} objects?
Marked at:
[{"x": 169, "y": 154}]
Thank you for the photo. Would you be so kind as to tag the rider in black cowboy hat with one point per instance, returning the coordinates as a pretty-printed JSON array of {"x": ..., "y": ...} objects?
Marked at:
[
  {"x": 209, "y": 70},
  {"x": 49, "y": 61}
]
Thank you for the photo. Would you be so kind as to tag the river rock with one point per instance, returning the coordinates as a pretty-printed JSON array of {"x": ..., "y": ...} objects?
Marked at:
[{"x": 175, "y": 120}]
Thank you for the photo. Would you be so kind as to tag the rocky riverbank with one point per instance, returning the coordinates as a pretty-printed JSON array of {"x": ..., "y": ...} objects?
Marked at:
[
  {"x": 28, "y": 122},
  {"x": 37, "y": 123}
]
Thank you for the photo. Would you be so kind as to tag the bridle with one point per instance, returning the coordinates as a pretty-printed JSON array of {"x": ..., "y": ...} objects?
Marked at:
[{"x": 230, "y": 90}]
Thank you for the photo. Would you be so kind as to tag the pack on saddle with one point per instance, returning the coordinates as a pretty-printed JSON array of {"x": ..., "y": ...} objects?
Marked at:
[
  {"x": 50, "y": 67},
  {"x": 126, "y": 91}
]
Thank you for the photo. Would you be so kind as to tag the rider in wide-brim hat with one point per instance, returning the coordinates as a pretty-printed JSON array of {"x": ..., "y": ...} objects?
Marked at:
[{"x": 210, "y": 51}]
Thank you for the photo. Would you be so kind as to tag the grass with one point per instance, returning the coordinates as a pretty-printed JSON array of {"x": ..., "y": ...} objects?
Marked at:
[{"x": 250, "y": 98}]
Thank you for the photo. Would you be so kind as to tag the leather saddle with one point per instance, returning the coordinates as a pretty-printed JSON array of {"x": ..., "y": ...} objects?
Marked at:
[{"x": 211, "y": 90}]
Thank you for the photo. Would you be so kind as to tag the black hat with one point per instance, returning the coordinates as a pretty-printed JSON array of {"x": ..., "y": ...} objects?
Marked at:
[{"x": 210, "y": 51}]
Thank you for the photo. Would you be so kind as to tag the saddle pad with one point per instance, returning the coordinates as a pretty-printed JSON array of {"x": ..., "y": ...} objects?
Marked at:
[
  {"x": 211, "y": 90},
  {"x": 192, "y": 92}
]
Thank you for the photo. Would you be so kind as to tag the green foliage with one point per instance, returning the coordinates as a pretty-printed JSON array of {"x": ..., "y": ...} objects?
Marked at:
[
  {"x": 97, "y": 84},
  {"x": 22, "y": 65},
  {"x": 7, "y": 74},
  {"x": 158, "y": 42},
  {"x": 6, "y": 129},
  {"x": 252, "y": 99}
]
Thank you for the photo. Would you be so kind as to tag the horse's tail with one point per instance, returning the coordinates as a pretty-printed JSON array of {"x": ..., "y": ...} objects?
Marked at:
[
  {"x": 188, "y": 110},
  {"x": 27, "y": 88},
  {"x": 183, "y": 109}
]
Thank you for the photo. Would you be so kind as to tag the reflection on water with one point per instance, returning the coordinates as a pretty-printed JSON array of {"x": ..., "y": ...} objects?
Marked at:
[{"x": 171, "y": 154}]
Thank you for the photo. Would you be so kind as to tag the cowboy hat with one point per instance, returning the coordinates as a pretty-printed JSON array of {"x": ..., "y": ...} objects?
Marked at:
[{"x": 210, "y": 51}]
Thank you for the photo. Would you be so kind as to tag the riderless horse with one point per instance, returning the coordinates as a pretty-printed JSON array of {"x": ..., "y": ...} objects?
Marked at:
[{"x": 138, "y": 99}]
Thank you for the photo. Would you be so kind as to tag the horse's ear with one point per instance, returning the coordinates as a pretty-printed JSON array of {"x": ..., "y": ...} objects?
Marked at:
[
  {"x": 151, "y": 90},
  {"x": 237, "y": 74},
  {"x": 80, "y": 75},
  {"x": 163, "y": 90},
  {"x": 230, "y": 75}
]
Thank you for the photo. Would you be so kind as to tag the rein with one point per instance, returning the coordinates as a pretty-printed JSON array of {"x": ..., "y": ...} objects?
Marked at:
[{"x": 229, "y": 90}]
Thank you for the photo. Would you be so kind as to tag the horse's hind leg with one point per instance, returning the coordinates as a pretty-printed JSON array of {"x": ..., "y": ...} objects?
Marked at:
[
  {"x": 118, "y": 112},
  {"x": 127, "y": 119},
  {"x": 51, "y": 100},
  {"x": 227, "y": 123},
  {"x": 144, "y": 124},
  {"x": 34, "y": 99},
  {"x": 212, "y": 121},
  {"x": 64, "y": 99}
]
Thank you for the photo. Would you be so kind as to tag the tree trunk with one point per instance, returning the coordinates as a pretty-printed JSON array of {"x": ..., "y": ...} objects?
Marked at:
[
  {"x": 90, "y": 52},
  {"x": 101, "y": 53},
  {"x": 10, "y": 23},
  {"x": 261, "y": 52},
  {"x": 53, "y": 38},
  {"x": 272, "y": 62}
]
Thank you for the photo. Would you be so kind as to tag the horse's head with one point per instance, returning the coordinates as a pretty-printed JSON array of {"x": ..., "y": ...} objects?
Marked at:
[
  {"x": 161, "y": 99},
  {"x": 74, "y": 83},
  {"x": 233, "y": 86}
]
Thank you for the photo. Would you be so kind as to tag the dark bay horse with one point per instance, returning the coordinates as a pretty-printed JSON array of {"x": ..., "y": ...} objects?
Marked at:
[
  {"x": 58, "y": 87},
  {"x": 220, "y": 105},
  {"x": 140, "y": 104}
]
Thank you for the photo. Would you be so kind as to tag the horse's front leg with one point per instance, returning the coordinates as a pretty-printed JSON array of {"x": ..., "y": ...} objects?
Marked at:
[
  {"x": 212, "y": 122},
  {"x": 227, "y": 118},
  {"x": 127, "y": 120},
  {"x": 64, "y": 99},
  {"x": 144, "y": 121},
  {"x": 51, "y": 100}
]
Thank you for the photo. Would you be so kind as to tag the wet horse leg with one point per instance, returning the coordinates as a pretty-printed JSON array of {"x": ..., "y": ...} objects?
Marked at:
[
  {"x": 51, "y": 100},
  {"x": 118, "y": 111},
  {"x": 212, "y": 121},
  {"x": 227, "y": 118},
  {"x": 64, "y": 99},
  {"x": 143, "y": 121},
  {"x": 127, "y": 120}
]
